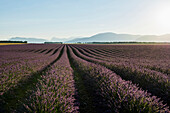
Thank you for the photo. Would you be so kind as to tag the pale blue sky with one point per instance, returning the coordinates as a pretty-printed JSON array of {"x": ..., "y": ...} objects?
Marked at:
[{"x": 74, "y": 18}]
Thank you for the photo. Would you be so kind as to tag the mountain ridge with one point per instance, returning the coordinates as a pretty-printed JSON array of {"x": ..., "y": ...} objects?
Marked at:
[
  {"x": 113, "y": 37},
  {"x": 101, "y": 37}
]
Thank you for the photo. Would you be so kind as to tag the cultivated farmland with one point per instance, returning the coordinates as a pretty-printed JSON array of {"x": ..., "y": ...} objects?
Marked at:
[{"x": 85, "y": 78}]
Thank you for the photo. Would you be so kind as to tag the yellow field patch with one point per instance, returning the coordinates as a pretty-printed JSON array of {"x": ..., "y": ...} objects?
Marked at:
[{"x": 11, "y": 43}]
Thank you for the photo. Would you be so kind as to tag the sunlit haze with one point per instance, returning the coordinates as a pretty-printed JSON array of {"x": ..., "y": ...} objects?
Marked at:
[{"x": 81, "y": 18}]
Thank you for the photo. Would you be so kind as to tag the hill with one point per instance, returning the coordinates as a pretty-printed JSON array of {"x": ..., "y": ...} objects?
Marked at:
[
  {"x": 106, "y": 37},
  {"x": 29, "y": 40}
]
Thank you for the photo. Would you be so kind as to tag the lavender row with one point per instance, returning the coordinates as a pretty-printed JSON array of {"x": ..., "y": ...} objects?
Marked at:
[
  {"x": 127, "y": 62},
  {"x": 133, "y": 51},
  {"x": 17, "y": 54},
  {"x": 156, "y": 83},
  {"x": 56, "y": 90},
  {"x": 119, "y": 95},
  {"x": 153, "y": 57},
  {"x": 21, "y": 59},
  {"x": 158, "y": 65},
  {"x": 150, "y": 56},
  {"x": 158, "y": 75},
  {"x": 10, "y": 76}
]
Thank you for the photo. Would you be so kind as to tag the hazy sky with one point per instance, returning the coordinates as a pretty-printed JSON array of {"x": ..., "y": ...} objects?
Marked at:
[{"x": 74, "y": 18}]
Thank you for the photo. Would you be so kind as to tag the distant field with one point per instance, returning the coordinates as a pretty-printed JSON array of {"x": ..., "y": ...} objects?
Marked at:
[
  {"x": 130, "y": 43},
  {"x": 85, "y": 78},
  {"x": 10, "y": 43}
]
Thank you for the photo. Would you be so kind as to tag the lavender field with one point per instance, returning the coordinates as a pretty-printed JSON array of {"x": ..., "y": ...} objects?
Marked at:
[{"x": 64, "y": 78}]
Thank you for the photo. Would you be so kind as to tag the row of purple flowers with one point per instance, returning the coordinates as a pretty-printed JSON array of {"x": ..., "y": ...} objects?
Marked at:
[
  {"x": 56, "y": 90},
  {"x": 119, "y": 95},
  {"x": 155, "y": 82}
]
